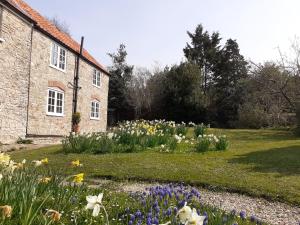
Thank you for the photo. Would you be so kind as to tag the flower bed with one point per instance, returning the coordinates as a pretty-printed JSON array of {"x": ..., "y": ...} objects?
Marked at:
[
  {"x": 32, "y": 194},
  {"x": 135, "y": 136}
]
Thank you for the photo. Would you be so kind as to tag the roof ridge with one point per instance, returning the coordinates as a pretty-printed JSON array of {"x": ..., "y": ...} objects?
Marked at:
[{"x": 48, "y": 27}]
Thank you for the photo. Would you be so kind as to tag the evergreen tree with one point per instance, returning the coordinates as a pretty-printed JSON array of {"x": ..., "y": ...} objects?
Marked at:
[{"x": 120, "y": 76}]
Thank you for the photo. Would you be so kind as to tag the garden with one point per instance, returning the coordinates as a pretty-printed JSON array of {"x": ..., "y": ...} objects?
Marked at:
[{"x": 54, "y": 182}]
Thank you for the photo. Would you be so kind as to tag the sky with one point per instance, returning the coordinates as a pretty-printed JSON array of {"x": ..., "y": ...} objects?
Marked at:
[{"x": 155, "y": 31}]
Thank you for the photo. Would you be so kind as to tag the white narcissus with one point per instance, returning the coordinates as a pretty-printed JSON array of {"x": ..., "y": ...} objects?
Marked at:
[
  {"x": 195, "y": 219},
  {"x": 94, "y": 203},
  {"x": 184, "y": 213}
]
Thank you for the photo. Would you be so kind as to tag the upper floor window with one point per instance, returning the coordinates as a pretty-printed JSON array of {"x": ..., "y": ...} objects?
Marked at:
[
  {"x": 55, "y": 103},
  {"x": 58, "y": 57},
  {"x": 95, "y": 109},
  {"x": 97, "y": 78}
]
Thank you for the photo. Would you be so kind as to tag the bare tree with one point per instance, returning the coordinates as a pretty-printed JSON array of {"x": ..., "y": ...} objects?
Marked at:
[{"x": 60, "y": 25}]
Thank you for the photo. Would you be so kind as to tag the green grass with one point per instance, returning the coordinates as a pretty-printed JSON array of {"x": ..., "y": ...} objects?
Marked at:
[{"x": 259, "y": 162}]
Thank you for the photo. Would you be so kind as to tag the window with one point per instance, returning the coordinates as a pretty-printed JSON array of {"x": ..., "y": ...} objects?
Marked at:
[
  {"x": 58, "y": 57},
  {"x": 96, "y": 78},
  {"x": 55, "y": 104},
  {"x": 95, "y": 106}
]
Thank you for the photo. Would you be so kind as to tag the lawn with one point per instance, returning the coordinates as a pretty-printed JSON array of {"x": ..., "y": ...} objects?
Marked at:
[{"x": 259, "y": 162}]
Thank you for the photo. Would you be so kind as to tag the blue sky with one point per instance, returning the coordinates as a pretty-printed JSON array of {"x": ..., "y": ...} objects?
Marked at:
[{"x": 155, "y": 30}]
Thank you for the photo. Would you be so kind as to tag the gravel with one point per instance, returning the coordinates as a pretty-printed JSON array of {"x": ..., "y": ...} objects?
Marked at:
[{"x": 271, "y": 212}]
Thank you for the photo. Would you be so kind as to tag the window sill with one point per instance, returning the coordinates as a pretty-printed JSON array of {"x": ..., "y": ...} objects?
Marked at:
[
  {"x": 93, "y": 118},
  {"x": 55, "y": 115},
  {"x": 2, "y": 40},
  {"x": 54, "y": 67},
  {"x": 99, "y": 87}
]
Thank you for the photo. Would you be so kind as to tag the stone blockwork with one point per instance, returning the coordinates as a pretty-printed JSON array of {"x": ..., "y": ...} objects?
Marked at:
[
  {"x": 26, "y": 84},
  {"x": 14, "y": 73}
]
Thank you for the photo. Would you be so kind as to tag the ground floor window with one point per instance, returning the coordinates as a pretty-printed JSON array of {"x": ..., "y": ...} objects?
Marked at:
[
  {"x": 95, "y": 108},
  {"x": 55, "y": 104}
]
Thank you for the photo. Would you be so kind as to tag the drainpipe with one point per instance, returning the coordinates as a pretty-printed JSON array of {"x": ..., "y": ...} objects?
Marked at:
[
  {"x": 76, "y": 78},
  {"x": 29, "y": 76}
]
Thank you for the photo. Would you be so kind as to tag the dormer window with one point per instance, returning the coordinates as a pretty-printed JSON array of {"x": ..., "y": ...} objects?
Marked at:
[
  {"x": 96, "y": 78},
  {"x": 58, "y": 57}
]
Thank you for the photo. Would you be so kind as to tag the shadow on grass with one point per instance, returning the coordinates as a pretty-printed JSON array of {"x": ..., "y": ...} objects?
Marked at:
[{"x": 285, "y": 161}]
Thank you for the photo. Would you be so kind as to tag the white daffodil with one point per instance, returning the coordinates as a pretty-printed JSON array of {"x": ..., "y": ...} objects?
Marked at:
[
  {"x": 94, "y": 203},
  {"x": 195, "y": 219},
  {"x": 37, "y": 163},
  {"x": 23, "y": 161},
  {"x": 1, "y": 176},
  {"x": 184, "y": 213}
]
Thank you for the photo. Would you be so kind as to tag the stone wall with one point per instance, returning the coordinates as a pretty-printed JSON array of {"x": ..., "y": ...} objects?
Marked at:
[
  {"x": 44, "y": 76},
  {"x": 14, "y": 74},
  {"x": 86, "y": 94}
]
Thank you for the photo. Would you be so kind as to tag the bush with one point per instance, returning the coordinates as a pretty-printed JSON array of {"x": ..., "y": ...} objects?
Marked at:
[
  {"x": 181, "y": 129},
  {"x": 221, "y": 144},
  {"x": 76, "y": 118},
  {"x": 24, "y": 141},
  {"x": 200, "y": 130},
  {"x": 203, "y": 144}
]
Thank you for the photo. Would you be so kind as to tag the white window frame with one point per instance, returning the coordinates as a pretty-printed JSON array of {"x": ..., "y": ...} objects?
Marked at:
[
  {"x": 55, "y": 113},
  {"x": 97, "y": 77},
  {"x": 91, "y": 110},
  {"x": 59, "y": 49}
]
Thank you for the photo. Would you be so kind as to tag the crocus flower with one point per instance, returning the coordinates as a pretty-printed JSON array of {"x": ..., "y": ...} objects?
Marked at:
[
  {"x": 243, "y": 215},
  {"x": 6, "y": 211},
  {"x": 94, "y": 203},
  {"x": 55, "y": 215}
]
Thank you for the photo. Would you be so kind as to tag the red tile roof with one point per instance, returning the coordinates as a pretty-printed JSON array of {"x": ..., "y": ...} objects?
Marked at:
[{"x": 51, "y": 30}]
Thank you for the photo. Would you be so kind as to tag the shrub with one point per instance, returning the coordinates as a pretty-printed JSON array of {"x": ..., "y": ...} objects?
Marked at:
[
  {"x": 203, "y": 144},
  {"x": 24, "y": 141},
  {"x": 221, "y": 144},
  {"x": 181, "y": 129},
  {"x": 200, "y": 130},
  {"x": 76, "y": 118}
]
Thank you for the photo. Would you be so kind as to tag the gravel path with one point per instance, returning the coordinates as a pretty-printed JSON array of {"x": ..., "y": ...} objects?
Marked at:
[{"x": 276, "y": 213}]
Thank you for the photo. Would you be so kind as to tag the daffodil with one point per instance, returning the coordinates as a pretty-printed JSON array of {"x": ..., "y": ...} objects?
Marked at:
[
  {"x": 184, "y": 213},
  {"x": 45, "y": 161},
  {"x": 94, "y": 203},
  {"x": 195, "y": 219},
  {"x": 76, "y": 163},
  {"x": 37, "y": 163},
  {"x": 1, "y": 176},
  {"x": 78, "y": 178},
  {"x": 54, "y": 215},
  {"x": 4, "y": 159},
  {"x": 6, "y": 211},
  {"x": 45, "y": 180}
]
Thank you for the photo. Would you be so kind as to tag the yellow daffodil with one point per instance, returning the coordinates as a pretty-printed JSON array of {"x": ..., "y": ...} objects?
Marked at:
[
  {"x": 54, "y": 215},
  {"x": 78, "y": 178},
  {"x": 4, "y": 159},
  {"x": 45, "y": 180},
  {"x": 45, "y": 161},
  {"x": 76, "y": 163},
  {"x": 6, "y": 211}
]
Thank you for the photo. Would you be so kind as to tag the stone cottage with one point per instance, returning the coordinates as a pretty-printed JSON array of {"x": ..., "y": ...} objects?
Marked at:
[{"x": 38, "y": 66}]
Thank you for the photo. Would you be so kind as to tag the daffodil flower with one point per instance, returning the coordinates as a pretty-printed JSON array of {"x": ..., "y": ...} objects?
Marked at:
[
  {"x": 76, "y": 163},
  {"x": 45, "y": 180},
  {"x": 184, "y": 213},
  {"x": 45, "y": 161},
  {"x": 195, "y": 219},
  {"x": 94, "y": 203},
  {"x": 78, "y": 178},
  {"x": 1, "y": 176}
]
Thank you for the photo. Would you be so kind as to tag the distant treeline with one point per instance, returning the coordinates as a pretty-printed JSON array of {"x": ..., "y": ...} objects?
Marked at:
[{"x": 215, "y": 85}]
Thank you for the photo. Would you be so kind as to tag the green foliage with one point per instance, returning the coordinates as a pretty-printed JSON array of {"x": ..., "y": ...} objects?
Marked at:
[
  {"x": 24, "y": 141},
  {"x": 200, "y": 130},
  {"x": 203, "y": 144},
  {"x": 298, "y": 119},
  {"x": 76, "y": 118},
  {"x": 181, "y": 129},
  {"x": 222, "y": 144}
]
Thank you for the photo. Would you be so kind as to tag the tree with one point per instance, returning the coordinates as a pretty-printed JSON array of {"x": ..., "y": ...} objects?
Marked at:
[
  {"x": 121, "y": 74},
  {"x": 60, "y": 25},
  {"x": 229, "y": 71},
  {"x": 203, "y": 51},
  {"x": 182, "y": 93}
]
